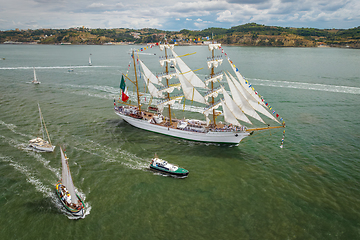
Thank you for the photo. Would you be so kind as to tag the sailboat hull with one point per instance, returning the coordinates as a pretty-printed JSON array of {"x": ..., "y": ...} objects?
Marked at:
[
  {"x": 209, "y": 137},
  {"x": 76, "y": 212},
  {"x": 41, "y": 145}
]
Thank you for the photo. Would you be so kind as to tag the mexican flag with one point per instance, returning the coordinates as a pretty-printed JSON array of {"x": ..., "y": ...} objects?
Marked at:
[{"x": 124, "y": 95}]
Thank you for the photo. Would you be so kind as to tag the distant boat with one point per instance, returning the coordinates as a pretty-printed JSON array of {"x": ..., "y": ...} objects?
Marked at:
[
  {"x": 39, "y": 143},
  {"x": 70, "y": 69},
  {"x": 65, "y": 190},
  {"x": 90, "y": 63},
  {"x": 35, "y": 81},
  {"x": 165, "y": 167}
]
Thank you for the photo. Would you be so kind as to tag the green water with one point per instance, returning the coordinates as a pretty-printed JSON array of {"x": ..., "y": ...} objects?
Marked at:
[{"x": 307, "y": 190}]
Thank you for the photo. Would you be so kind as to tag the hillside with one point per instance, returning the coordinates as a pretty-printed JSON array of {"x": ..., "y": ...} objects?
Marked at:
[{"x": 250, "y": 34}]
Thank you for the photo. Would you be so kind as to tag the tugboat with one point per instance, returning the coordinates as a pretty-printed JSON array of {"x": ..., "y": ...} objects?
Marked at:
[{"x": 165, "y": 167}]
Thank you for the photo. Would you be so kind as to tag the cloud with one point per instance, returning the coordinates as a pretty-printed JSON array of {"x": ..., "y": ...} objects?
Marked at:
[{"x": 178, "y": 14}]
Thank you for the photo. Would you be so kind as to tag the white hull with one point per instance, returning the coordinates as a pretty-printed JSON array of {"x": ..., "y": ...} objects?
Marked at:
[
  {"x": 41, "y": 145},
  {"x": 210, "y": 137}
]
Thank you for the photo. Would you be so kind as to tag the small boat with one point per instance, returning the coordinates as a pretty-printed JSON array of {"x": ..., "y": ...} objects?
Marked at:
[
  {"x": 70, "y": 69},
  {"x": 39, "y": 143},
  {"x": 165, "y": 167},
  {"x": 65, "y": 190},
  {"x": 35, "y": 81},
  {"x": 90, "y": 62}
]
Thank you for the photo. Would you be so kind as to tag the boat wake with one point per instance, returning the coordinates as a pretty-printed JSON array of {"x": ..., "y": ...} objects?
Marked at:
[
  {"x": 47, "y": 191},
  {"x": 12, "y": 127},
  {"x": 306, "y": 86},
  {"x": 108, "y": 154}
]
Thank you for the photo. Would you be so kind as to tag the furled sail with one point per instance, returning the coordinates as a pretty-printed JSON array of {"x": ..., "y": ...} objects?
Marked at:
[
  {"x": 168, "y": 60},
  {"x": 214, "y": 62},
  {"x": 209, "y": 110},
  {"x": 236, "y": 111},
  {"x": 189, "y": 90},
  {"x": 188, "y": 73},
  {"x": 170, "y": 88},
  {"x": 171, "y": 101},
  {"x": 252, "y": 101},
  {"x": 241, "y": 101},
  {"x": 213, "y": 93},
  {"x": 215, "y": 78},
  {"x": 66, "y": 177}
]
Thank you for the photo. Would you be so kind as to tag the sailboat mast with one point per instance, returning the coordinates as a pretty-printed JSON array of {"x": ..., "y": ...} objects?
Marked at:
[
  {"x": 41, "y": 121},
  {"x": 136, "y": 83},
  {"x": 167, "y": 83},
  {"x": 212, "y": 88}
]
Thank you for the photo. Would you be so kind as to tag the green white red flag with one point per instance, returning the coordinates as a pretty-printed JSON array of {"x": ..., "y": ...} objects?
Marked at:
[{"x": 124, "y": 91}]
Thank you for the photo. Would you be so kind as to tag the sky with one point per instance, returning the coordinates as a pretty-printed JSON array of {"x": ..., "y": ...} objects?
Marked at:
[{"x": 175, "y": 15}]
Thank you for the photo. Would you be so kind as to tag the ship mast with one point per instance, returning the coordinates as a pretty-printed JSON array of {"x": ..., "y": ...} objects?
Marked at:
[
  {"x": 212, "y": 88},
  {"x": 136, "y": 84},
  {"x": 167, "y": 83}
]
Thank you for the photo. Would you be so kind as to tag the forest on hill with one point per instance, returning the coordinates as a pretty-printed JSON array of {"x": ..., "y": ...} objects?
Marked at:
[{"x": 250, "y": 34}]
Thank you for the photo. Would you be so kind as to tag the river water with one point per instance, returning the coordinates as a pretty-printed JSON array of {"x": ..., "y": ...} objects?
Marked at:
[{"x": 310, "y": 189}]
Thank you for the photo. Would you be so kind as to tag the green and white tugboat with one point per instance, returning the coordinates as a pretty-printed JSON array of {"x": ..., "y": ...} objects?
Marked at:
[{"x": 163, "y": 166}]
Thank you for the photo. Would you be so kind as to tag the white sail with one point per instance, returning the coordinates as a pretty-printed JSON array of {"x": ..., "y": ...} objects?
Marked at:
[
  {"x": 35, "y": 79},
  {"x": 149, "y": 75},
  {"x": 90, "y": 63},
  {"x": 66, "y": 177},
  {"x": 228, "y": 115},
  {"x": 241, "y": 101},
  {"x": 188, "y": 73},
  {"x": 237, "y": 112},
  {"x": 245, "y": 86},
  {"x": 152, "y": 89},
  {"x": 189, "y": 90},
  {"x": 252, "y": 101}
]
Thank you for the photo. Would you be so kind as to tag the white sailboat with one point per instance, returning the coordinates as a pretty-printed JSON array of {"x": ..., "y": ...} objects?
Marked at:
[
  {"x": 39, "y": 143},
  {"x": 243, "y": 103},
  {"x": 90, "y": 63},
  {"x": 35, "y": 81},
  {"x": 65, "y": 189}
]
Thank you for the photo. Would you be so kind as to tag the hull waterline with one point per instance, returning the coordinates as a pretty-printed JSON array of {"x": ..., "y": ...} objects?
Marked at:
[{"x": 208, "y": 137}]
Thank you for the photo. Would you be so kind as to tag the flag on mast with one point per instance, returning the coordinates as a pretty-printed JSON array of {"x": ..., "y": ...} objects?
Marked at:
[{"x": 124, "y": 95}]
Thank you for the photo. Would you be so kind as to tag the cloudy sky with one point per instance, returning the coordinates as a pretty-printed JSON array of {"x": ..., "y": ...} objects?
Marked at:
[{"x": 177, "y": 14}]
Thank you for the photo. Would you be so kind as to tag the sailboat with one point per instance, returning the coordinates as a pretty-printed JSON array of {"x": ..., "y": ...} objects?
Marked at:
[
  {"x": 35, "y": 81},
  {"x": 243, "y": 102},
  {"x": 90, "y": 63},
  {"x": 65, "y": 189},
  {"x": 39, "y": 143}
]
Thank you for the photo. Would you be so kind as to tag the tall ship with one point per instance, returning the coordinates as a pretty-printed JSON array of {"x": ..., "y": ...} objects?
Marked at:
[{"x": 223, "y": 94}]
